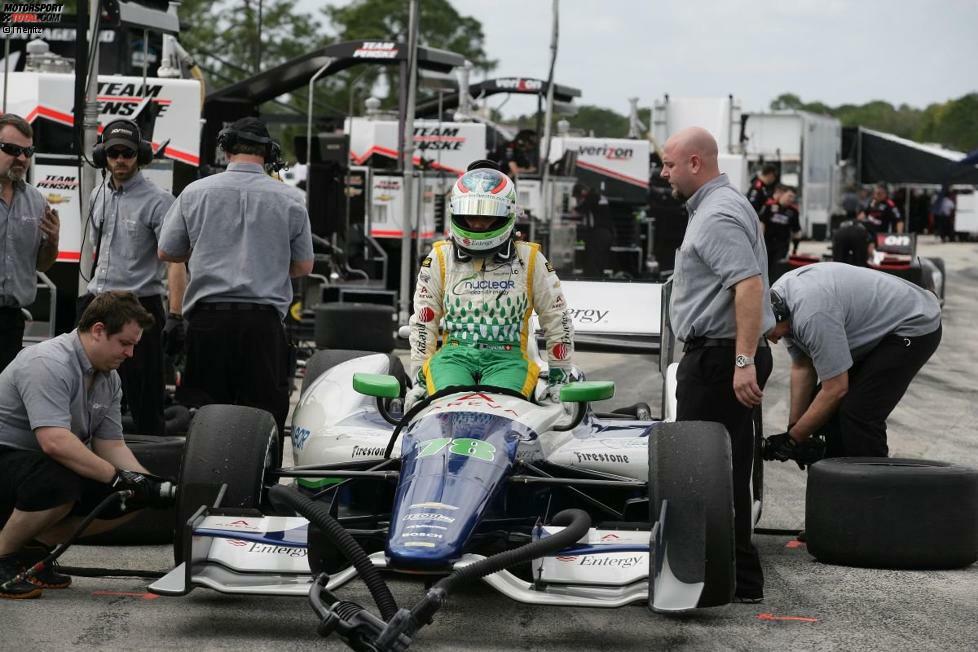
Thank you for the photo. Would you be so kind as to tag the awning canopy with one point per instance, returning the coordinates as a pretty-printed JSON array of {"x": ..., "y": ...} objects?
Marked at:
[{"x": 885, "y": 158}]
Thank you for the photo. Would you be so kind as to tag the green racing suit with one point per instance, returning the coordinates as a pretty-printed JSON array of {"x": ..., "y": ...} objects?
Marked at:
[{"x": 486, "y": 304}]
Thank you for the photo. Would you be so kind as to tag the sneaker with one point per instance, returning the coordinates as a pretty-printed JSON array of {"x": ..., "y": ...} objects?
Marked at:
[
  {"x": 49, "y": 578},
  {"x": 10, "y": 567}
]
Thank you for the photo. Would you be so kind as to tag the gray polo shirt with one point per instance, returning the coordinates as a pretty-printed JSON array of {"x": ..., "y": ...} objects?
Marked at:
[
  {"x": 244, "y": 229},
  {"x": 723, "y": 246},
  {"x": 839, "y": 312},
  {"x": 45, "y": 386},
  {"x": 130, "y": 218},
  {"x": 20, "y": 239}
]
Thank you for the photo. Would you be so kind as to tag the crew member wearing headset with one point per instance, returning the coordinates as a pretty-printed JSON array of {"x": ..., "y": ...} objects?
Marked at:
[
  {"x": 126, "y": 216},
  {"x": 244, "y": 236}
]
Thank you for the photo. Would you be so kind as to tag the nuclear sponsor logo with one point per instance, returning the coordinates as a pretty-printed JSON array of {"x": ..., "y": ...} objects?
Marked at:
[
  {"x": 471, "y": 286},
  {"x": 426, "y": 314}
]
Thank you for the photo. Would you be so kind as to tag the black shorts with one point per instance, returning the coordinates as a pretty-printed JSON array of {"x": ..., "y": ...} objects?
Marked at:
[{"x": 32, "y": 482}]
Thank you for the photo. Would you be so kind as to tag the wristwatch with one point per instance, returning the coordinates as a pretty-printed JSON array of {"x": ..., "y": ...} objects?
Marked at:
[{"x": 743, "y": 361}]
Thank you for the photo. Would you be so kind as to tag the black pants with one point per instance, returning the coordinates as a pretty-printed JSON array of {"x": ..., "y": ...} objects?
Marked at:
[
  {"x": 143, "y": 388},
  {"x": 704, "y": 392},
  {"x": 876, "y": 384},
  {"x": 777, "y": 250},
  {"x": 237, "y": 356},
  {"x": 11, "y": 334}
]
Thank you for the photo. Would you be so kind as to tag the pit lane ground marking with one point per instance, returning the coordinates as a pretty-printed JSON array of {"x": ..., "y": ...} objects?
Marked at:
[
  {"x": 795, "y": 544},
  {"x": 142, "y": 596},
  {"x": 800, "y": 619}
]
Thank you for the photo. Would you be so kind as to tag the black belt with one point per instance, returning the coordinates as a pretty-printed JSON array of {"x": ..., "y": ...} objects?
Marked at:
[
  {"x": 234, "y": 305},
  {"x": 715, "y": 342}
]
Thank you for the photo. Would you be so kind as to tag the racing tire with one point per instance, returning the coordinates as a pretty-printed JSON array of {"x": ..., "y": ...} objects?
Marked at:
[
  {"x": 162, "y": 456},
  {"x": 227, "y": 444},
  {"x": 877, "y": 512},
  {"x": 365, "y": 326},
  {"x": 323, "y": 361},
  {"x": 690, "y": 467}
]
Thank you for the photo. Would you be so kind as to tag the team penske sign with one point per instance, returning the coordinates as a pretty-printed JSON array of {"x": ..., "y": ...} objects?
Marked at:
[
  {"x": 50, "y": 96},
  {"x": 449, "y": 146}
]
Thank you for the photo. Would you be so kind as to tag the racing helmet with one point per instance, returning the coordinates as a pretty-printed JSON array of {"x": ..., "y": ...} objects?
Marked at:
[{"x": 483, "y": 192}]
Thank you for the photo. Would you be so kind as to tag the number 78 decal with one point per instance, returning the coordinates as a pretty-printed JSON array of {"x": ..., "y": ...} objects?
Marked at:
[{"x": 464, "y": 446}]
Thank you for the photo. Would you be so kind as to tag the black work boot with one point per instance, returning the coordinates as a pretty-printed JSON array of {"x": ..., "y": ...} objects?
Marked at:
[
  {"x": 49, "y": 578},
  {"x": 10, "y": 567}
]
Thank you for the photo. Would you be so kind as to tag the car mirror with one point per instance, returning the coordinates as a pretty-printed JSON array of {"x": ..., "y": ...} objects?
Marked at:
[
  {"x": 379, "y": 385},
  {"x": 587, "y": 391}
]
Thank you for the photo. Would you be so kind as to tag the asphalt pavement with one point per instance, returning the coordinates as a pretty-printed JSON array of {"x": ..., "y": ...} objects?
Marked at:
[{"x": 808, "y": 605}]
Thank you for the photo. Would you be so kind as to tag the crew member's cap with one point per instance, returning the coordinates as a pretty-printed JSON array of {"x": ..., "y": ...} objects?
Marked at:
[
  {"x": 251, "y": 125},
  {"x": 121, "y": 133}
]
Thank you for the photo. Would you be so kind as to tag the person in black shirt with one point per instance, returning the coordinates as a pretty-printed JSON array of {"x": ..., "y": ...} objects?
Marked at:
[
  {"x": 780, "y": 220},
  {"x": 881, "y": 215},
  {"x": 762, "y": 187}
]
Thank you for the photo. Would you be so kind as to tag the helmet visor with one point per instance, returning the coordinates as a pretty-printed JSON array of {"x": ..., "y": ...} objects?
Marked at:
[{"x": 481, "y": 206}]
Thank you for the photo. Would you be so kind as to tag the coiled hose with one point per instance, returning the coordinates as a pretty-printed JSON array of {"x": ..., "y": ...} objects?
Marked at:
[{"x": 318, "y": 513}]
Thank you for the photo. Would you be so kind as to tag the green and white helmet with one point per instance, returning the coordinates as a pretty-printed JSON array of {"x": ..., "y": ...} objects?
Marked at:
[{"x": 483, "y": 192}]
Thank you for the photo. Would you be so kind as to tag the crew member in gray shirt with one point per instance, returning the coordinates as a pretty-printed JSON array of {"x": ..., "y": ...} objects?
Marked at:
[
  {"x": 864, "y": 335},
  {"x": 719, "y": 311},
  {"x": 126, "y": 217},
  {"x": 245, "y": 236},
  {"x": 61, "y": 445},
  {"x": 29, "y": 230}
]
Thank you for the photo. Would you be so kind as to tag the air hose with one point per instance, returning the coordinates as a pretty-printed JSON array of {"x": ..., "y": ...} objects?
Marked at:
[
  {"x": 318, "y": 513},
  {"x": 576, "y": 522},
  {"x": 62, "y": 547}
]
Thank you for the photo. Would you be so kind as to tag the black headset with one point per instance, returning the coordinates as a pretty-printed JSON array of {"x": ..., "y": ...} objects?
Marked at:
[
  {"x": 228, "y": 138},
  {"x": 780, "y": 308},
  {"x": 144, "y": 151}
]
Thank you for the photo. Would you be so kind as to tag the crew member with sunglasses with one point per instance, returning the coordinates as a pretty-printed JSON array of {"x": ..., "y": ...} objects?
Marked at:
[
  {"x": 29, "y": 230},
  {"x": 126, "y": 217}
]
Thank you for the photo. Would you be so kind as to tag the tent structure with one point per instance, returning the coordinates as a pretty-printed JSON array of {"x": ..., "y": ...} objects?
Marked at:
[{"x": 883, "y": 157}]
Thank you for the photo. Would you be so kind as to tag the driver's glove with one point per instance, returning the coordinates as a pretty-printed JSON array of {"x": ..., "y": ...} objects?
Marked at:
[
  {"x": 556, "y": 378},
  {"x": 417, "y": 391}
]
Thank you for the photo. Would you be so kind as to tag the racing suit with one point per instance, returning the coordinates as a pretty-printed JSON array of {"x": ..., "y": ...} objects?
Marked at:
[
  {"x": 486, "y": 305},
  {"x": 882, "y": 216},
  {"x": 781, "y": 225},
  {"x": 758, "y": 195}
]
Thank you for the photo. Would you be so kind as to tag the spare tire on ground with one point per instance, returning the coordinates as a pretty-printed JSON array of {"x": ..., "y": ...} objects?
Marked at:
[
  {"x": 365, "y": 326},
  {"x": 879, "y": 512},
  {"x": 162, "y": 456}
]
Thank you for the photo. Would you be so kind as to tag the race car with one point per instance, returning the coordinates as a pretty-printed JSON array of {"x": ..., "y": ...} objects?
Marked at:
[
  {"x": 893, "y": 253},
  {"x": 549, "y": 502}
]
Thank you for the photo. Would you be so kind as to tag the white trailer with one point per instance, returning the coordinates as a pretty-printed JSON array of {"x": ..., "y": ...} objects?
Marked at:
[
  {"x": 718, "y": 115},
  {"x": 808, "y": 148}
]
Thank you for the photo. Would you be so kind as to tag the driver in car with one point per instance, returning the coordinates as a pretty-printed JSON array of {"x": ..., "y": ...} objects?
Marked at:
[{"x": 485, "y": 284}]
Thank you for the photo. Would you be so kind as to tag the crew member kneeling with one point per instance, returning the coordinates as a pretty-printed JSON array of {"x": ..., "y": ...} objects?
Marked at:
[
  {"x": 864, "y": 334},
  {"x": 485, "y": 284},
  {"x": 61, "y": 445}
]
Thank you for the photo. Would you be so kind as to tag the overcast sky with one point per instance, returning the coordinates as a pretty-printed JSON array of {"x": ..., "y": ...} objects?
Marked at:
[{"x": 837, "y": 51}]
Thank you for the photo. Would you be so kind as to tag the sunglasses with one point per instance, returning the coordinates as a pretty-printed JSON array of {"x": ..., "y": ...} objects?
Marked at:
[
  {"x": 124, "y": 153},
  {"x": 16, "y": 150}
]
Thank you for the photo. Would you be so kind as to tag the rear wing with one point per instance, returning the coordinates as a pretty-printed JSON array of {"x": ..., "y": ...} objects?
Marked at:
[{"x": 619, "y": 316}]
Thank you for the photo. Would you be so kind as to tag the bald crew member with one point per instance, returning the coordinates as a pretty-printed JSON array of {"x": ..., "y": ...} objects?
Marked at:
[{"x": 719, "y": 311}]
